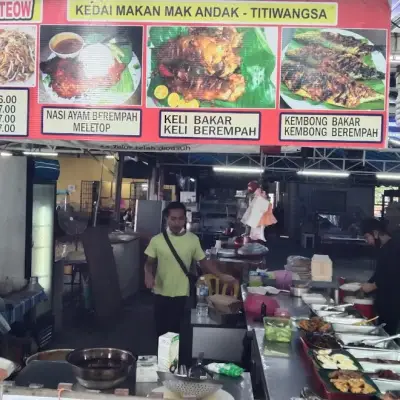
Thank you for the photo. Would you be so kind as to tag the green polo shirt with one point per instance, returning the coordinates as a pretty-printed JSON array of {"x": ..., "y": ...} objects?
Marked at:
[{"x": 170, "y": 279}]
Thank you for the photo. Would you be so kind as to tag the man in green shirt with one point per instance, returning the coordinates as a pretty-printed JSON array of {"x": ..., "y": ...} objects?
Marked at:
[{"x": 170, "y": 284}]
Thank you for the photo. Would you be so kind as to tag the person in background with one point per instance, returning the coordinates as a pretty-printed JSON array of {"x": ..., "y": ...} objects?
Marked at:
[
  {"x": 127, "y": 216},
  {"x": 385, "y": 281},
  {"x": 169, "y": 283}
]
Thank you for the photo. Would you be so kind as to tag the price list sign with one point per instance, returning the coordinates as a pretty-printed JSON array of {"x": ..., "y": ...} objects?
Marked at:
[{"x": 14, "y": 106}]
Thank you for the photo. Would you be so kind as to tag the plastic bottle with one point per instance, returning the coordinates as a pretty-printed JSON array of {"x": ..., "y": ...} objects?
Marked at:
[{"x": 202, "y": 294}]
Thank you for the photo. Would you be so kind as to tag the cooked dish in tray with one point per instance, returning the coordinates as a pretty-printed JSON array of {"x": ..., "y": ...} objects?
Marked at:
[
  {"x": 314, "y": 324},
  {"x": 351, "y": 382},
  {"x": 321, "y": 341},
  {"x": 332, "y": 69},
  {"x": 385, "y": 374},
  {"x": 329, "y": 359}
]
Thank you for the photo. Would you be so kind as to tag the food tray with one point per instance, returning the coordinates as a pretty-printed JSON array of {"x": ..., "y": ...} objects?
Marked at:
[
  {"x": 323, "y": 314},
  {"x": 330, "y": 388},
  {"x": 348, "y": 338},
  {"x": 349, "y": 320},
  {"x": 357, "y": 329},
  {"x": 319, "y": 307},
  {"x": 374, "y": 353},
  {"x": 387, "y": 386},
  {"x": 308, "y": 345},
  {"x": 383, "y": 355},
  {"x": 313, "y": 298},
  {"x": 312, "y": 354}
]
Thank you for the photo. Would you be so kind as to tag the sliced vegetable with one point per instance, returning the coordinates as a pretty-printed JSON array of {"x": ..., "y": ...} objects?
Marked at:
[
  {"x": 174, "y": 100},
  {"x": 161, "y": 92}
]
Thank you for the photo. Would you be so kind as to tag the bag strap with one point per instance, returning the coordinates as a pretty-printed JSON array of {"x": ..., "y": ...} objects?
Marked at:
[{"x": 175, "y": 254}]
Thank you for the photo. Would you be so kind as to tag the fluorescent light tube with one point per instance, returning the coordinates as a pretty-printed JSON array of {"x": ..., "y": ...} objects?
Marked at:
[
  {"x": 389, "y": 176},
  {"x": 40, "y": 153},
  {"x": 244, "y": 170},
  {"x": 5, "y": 154},
  {"x": 324, "y": 173},
  {"x": 192, "y": 180}
]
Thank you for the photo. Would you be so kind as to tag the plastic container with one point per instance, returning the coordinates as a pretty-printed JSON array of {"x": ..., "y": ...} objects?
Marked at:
[
  {"x": 282, "y": 313},
  {"x": 278, "y": 329},
  {"x": 253, "y": 303},
  {"x": 202, "y": 295}
]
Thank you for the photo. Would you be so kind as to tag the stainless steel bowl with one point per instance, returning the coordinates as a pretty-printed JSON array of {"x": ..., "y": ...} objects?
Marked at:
[
  {"x": 101, "y": 368},
  {"x": 49, "y": 355}
]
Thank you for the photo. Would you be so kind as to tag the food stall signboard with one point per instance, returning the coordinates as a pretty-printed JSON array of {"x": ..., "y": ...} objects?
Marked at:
[{"x": 255, "y": 73}]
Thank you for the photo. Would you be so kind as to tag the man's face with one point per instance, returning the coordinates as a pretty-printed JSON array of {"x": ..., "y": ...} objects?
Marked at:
[{"x": 176, "y": 220}]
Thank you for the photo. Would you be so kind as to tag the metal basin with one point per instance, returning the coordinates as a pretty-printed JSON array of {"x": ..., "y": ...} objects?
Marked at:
[
  {"x": 101, "y": 368},
  {"x": 49, "y": 355}
]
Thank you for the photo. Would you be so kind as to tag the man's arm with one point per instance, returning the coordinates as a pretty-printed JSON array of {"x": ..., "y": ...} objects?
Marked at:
[
  {"x": 149, "y": 266},
  {"x": 149, "y": 279},
  {"x": 210, "y": 266}
]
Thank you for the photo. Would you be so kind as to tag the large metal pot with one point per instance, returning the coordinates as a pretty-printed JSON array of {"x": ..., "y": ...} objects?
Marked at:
[
  {"x": 101, "y": 368},
  {"x": 49, "y": 355}
]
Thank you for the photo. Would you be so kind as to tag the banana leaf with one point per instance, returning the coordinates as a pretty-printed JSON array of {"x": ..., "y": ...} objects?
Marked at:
[
  {"x": 376, "y": 84},
  {"x": 257, "y": 66}
]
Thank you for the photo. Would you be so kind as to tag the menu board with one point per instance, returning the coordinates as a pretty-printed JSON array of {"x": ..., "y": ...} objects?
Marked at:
[{"x": 254, "y": 73}]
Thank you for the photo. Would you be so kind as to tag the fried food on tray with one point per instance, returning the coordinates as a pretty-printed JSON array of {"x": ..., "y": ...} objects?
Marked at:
[
  {"x": 342, "y": 374},
  {"x": 17, "y": 56},
  {"x": 332, "y": 88},
  {"x": 350, "y": 382},
  {"x": 329, "y": 60},
  {"x": 314, "y": 324},
  {"x": 204, "y": 64}
]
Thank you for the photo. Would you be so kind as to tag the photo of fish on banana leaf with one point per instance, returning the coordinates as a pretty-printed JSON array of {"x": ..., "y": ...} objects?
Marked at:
[
  {"x": 324, "y": 69},
  {"x": 211, "y": 67}
]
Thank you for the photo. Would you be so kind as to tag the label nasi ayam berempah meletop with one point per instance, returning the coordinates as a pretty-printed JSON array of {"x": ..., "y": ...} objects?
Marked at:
[{"x": 199, "y": 72}]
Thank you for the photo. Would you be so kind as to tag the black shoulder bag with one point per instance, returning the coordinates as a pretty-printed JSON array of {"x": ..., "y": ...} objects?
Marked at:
[{"x": 191, "y": 277}]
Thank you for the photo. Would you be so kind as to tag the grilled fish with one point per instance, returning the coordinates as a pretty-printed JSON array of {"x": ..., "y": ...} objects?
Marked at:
[
  {"x": 333, "y": 61},
  {"x": 332, "y": 88},
  {"x": 335, "y": 41}
]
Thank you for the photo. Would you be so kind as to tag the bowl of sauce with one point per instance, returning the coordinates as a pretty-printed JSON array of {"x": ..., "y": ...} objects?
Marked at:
[{"x": 66, "y": 44}]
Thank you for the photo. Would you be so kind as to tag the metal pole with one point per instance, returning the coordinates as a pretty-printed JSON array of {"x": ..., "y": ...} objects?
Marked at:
[
  {"x": 118, "y": 188},
  {"x": 96, "y": 209}
]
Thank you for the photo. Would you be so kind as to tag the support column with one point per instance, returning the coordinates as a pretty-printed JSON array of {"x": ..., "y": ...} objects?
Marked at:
[{"x": 118, "y": 188}]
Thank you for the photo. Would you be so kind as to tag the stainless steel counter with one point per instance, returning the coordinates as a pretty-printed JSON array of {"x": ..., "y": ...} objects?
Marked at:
[
  {"x": 282, "y": 376},
  {"x": 50, "y": 374}
]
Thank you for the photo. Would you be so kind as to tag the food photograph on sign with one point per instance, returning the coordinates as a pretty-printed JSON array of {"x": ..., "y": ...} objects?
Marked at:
[
  {"x": 339, "y": 69},
  {"x": 17, "y": 55},
  {"x": 90, "y": 65},
  {"x": 211, "y": 67}
]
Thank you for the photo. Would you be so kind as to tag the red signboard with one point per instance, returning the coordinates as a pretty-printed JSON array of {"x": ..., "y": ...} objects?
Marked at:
[{"x": 281, "y": 73}]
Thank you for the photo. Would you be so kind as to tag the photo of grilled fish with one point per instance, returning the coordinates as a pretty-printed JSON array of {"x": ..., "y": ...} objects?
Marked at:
[
  {"x": 333, "y": 68},
  {"x": 330, "y": 60},
  {"x": 335, "y": 41},
  {"x": 328, "y": 87}
]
